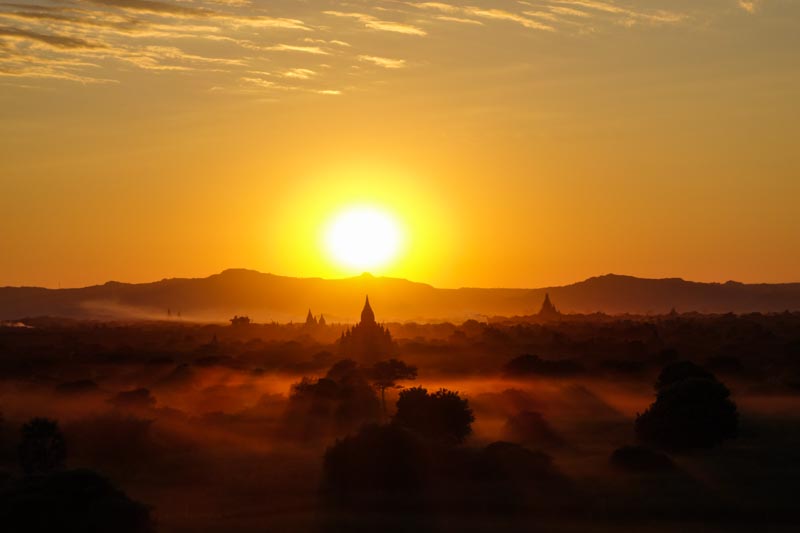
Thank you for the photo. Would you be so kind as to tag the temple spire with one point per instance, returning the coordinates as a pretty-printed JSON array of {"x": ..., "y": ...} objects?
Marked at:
[
  {"x": 367, "y": 340},
  {"x": 548, "y": 310},
  {"x": 310, "y": 320},
  {"x": 367, "y": 316}
]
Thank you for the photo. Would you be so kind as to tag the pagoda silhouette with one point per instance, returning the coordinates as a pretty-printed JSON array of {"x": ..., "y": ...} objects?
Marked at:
[
  {"x": 313, "y": 322},
  {"x": 548, "y": 310},
  {"x": 310, "y": 320},
  {"x": 367, "y": 340}
]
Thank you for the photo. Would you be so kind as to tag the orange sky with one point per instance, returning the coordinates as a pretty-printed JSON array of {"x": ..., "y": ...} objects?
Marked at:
[{"x": 520, "y": 143}]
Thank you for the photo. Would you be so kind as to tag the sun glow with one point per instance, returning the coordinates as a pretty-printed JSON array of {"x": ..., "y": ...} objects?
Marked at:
[{"x": 363, "y": 237}]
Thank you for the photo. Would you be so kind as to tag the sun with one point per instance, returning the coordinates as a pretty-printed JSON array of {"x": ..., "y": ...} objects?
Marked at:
[{"x": 363, "y": 238}]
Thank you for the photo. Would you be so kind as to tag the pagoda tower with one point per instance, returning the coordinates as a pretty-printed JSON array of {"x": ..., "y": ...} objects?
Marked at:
[
  {"x": 548, "y": 310},
  {"x": 367, "y": 314},
  {"x": 367, "y": 340},
  {"x": 310, "y": 320}
]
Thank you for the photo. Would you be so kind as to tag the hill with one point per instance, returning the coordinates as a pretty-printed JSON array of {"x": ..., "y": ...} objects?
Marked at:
[{"x": 270, "y": 297}]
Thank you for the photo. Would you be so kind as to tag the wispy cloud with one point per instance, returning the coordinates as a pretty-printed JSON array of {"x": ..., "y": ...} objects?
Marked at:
[
  {"x": 375, "y": 23},
  {"x": 153, "y": 6},
  {"x": 316, "y": 50},
  {"x": 550, "y": 15},
  {"x": 568, "y": 11},
  {"x": 89, "y": 34},
  {"x": 236, "y": 3},
  {"x": 223, "y": 42},
  {"x": 482, "y": 13},
  {"x": 626, "y": 15},
  {"x": 299, "y": 73},
  {"x": 54, "y": 40},
  {"x": 460, "y": 20},
  {"x": 384, "y": 62},
  {"x": 259, "y": 82},
  {"x": 499, "y": 14}
]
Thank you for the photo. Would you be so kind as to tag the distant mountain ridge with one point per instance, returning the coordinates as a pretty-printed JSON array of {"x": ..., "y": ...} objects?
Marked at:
[{"x": 267, "y": 297}]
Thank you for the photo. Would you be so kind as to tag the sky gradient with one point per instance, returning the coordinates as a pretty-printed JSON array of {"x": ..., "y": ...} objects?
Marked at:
[{"x": 519, "y": 143}]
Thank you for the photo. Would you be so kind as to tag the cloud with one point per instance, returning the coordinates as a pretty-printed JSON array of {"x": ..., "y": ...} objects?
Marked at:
[
  {"x": 597, "y": 6},
  {"x": 181, "y": 11},
  {"x": 568, "y": 11},
  {"x": 483, "y": 13},
  {"x": 236, "y": 3},
  {"x": 550, "y": 15},
  {"x": 299, "y": 73},
  {"x": 499, "y": 14},
  {"x": 316, "y": 50},
  {"x": 751, "y": 6},
  {"x": 58, "y": 41},
  {"x": 377, "y": 24},
  {"x": 153, "y": 6},
  {"x": 174, "y": 53},
  {"x": 383, "y": 61},
  {"x": 259, "y": 82},
  {"x": 138, "y": 32},
  {"x": 439, "y": 6},
  {"x": 43, "y": 73},
  {"x": 227, "y": 40},
  {"x": 24, "y": 66},
  {"x": 626, "y": 16},
  {"x": 447, "y": 18}
]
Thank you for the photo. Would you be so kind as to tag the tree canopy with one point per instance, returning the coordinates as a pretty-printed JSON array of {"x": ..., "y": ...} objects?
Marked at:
[
  {"x": 442, "y": 416},
  {"x": 42, "y": 449},
  {"x": 692, "y": 410}
]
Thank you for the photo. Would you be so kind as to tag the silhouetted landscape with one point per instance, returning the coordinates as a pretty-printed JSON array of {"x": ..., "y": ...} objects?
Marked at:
[
  {"x": 499, "y": 266},
  {"x": 552, "y": 421},
  {"x": 267, "y": 297}
]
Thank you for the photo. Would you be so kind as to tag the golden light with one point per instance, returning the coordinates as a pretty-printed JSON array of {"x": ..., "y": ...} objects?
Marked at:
[
  {"x": 363, "y": 238},
  {"x": 298, "y": 237}
]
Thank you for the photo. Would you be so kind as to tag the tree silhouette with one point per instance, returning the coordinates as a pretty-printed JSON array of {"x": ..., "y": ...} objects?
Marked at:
[
  {"x": 42, "y": 449},
  {"x": 338, "y": 403},
  {"x": 238, "y": 321},
  {"x": 76, "y": 500},
  {"x": 443, "y": 416},
  {"x": 343, "y": 369},
  {"x": 512, "y": 477},
  {"x": 378, "y": 459},
  {"x": 692, "y": 410},
  {"x": 386, "y": 374},
  {"x": 679, "y": 371}
]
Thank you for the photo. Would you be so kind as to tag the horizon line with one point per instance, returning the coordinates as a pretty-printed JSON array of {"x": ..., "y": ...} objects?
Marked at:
[{"x": 370, "y": 275}]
